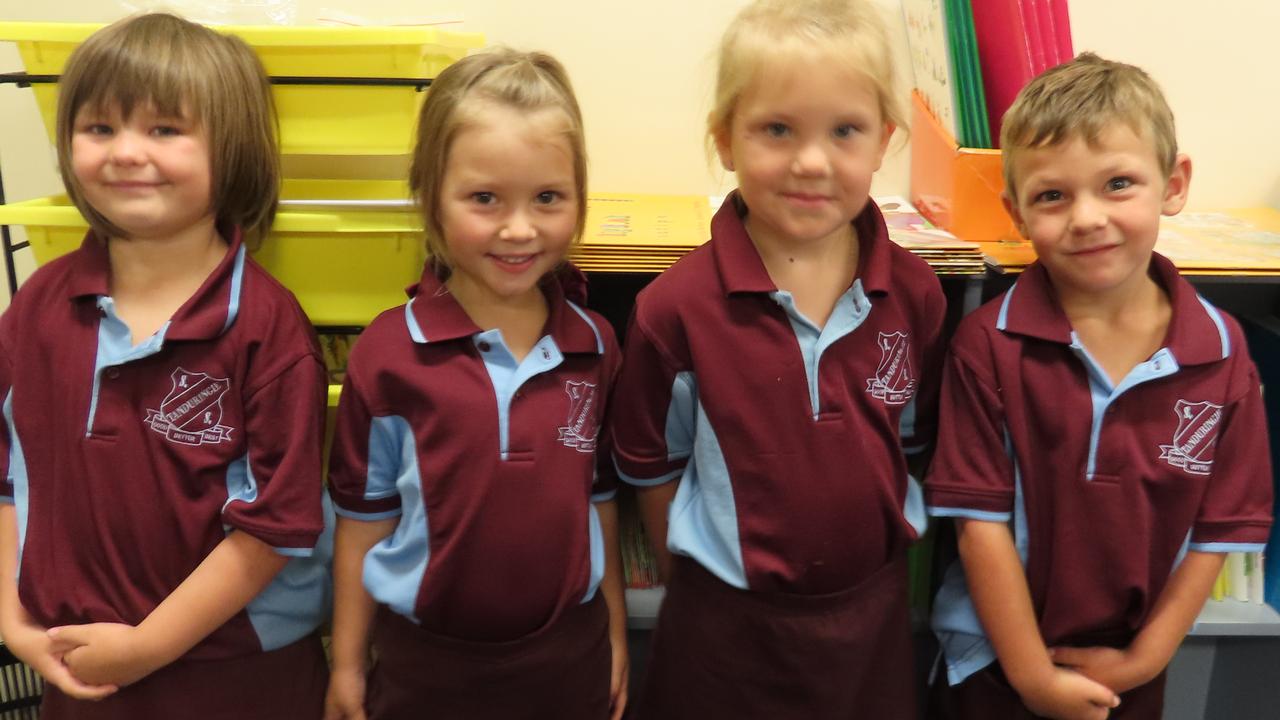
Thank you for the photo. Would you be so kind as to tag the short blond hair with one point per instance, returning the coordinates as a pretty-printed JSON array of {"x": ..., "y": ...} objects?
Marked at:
[
  {"x": 766, "y": 32},
  {"x": 524, "y": 81},
  {"x": 1080, "y": 99},
  {"x": 181, "y": 69}
]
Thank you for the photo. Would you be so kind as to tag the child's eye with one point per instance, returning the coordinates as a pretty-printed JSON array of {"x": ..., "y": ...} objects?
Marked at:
[
  {"x": 96, "y": 129},
  {"x": 1048, "y": 196},
  {"x": 546, "y": 197},
  {"x": 844, "y": 131},
  {"x": 484, "y": 198},
  {"x": 776, "y": 129},
  {"x": 165, "y": 131},
  {"x": 1116, "y": 184}
]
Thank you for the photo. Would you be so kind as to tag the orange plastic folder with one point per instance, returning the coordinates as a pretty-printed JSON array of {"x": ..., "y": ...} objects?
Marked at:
[{"x": 957, "y": 189}]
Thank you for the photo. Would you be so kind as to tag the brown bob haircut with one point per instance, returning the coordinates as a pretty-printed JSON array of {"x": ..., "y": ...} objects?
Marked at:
[
  {"x": 525, "y": 81},
  {"x": 181, "y": 69}
]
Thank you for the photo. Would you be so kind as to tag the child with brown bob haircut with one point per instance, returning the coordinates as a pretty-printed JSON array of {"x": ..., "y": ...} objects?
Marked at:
[
  {"x": 161, "y": 547},
  {"x": 1103, "y": 440}
]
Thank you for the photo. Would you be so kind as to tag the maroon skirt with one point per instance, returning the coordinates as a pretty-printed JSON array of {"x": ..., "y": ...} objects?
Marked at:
[
  {"x": 286, "y": 683},
  {"x": 560, "y": 672},
  {"x": 987, "y": 694},
  {"x": 721, "y": 652}
]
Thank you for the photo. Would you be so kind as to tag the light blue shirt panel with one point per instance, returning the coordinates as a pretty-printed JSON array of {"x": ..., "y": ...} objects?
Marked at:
[
  {"x": 965, "y": 647},
  {"x": 596, "y": 534},
  {"x": 679, "y": 430},
  {"x": 507, "y": 375},
  {"x": 300, "y": 597},
  {"x": 395, "y": 566},
  {"x": 850, "y": 311},
  {"x": 115, "y": 347},
  {"x": 17, "y": 476},
  {"x": 703, "y": 520}
]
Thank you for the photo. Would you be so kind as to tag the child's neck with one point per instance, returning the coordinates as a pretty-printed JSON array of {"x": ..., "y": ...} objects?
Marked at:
[
  {"x": 152, "y": 277},
  {"x": 815, "y": 272},
  {"x": 521, "y": 319},
  {"x": 1123, "y": 328}
]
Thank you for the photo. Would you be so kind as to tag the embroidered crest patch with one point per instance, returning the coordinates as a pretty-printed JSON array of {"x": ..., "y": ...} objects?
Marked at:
[
  {"x": 579, "y": 433},
  {"x": 1193, "y": 441},
  {"x": 893, "y": 382},
  {"x": 191, "y": 414}
]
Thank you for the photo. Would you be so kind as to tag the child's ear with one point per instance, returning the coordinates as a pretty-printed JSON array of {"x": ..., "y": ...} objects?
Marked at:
[
  {"x": 1177, "y": 186},
  {"x": 884, "y": 142},
  {"x": 1011, "y": 207},
  {"x": 724, "y": 147}
]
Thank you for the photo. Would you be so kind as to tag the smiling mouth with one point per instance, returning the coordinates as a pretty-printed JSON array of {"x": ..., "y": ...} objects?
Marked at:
[{"x": 1094, "y": 250}]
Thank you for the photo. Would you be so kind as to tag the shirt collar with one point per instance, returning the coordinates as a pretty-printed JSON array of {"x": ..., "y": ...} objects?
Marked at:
[
  {"x": 434, "y": 315},
  {"x": 205, "y": 315},
  {"x": 1196, "y": 332},
  {"x": 742, "y": 270}
]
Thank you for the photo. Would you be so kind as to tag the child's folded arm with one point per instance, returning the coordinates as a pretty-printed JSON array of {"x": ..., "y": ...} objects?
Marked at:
[{"x": 1003, "y": 603}]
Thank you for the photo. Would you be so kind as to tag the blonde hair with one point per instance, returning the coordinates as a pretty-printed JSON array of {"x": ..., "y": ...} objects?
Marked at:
[
  {"x": 766, "y": 32},
  {"x": 1080, "y": 99},
  {"x": 524, "y": 81},
  {"x": 181, "y": 69}
]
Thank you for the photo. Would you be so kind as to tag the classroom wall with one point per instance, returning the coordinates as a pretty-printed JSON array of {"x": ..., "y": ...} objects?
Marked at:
[{"x": 643, "y": 74}]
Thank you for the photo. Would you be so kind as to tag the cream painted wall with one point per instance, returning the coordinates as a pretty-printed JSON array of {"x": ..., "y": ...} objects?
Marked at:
[{"x": 643, "y": 71}]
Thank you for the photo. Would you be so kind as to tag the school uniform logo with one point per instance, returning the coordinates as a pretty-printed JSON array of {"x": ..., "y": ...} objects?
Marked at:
[
  {"x": 191, "y": 414},
  {"x": 579, "y": 432},
  {"x": 1193, "y": 441},
  {"x": 893, "y": 382}
]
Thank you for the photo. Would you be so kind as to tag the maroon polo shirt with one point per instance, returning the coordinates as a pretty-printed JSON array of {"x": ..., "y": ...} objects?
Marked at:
[
  {"x": 490, "y": 471},
  {"x": 127, "y": 475},
  {"x": 1115, "y": 481},
  {"x": 717, "y": 388}
]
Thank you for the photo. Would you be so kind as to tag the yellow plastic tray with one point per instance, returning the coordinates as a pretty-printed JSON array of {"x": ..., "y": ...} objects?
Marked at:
[
  {"x": 344, "y": 263},
  {"x": 314, "y": 119}
]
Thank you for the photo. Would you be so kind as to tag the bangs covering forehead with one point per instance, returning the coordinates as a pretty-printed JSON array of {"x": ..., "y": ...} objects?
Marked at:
[
  {"x": 179, "y": 69},
  {"x": 160, "y": 66}
]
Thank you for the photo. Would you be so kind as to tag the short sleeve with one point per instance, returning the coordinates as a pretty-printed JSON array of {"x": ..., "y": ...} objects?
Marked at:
[
  {"x": 1236, "y": 512},
  {"x": 651, "y": 422},
  {"x": 920, "y": 422},
  {"x": 367, "y": 456},
  {"x": 284, "y": 426},
  {"x": 971, "y": 475},
  {"x": 6, "y": 388},
  {"x": 604, "y": 485}
]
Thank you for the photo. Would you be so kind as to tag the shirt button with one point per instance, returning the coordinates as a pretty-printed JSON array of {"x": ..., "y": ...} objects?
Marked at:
[
  {"x": 484, "y": 346},
  {"x": 113, "y": 374}
]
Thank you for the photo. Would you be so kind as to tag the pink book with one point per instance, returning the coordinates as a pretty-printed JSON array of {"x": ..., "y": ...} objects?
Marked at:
[
  {"x": 1034, "y": 17},
  {"x": 1061, "y": 18},
  {"x": 1046, "y": 37},
  {"x": 1005, "y": 54}
]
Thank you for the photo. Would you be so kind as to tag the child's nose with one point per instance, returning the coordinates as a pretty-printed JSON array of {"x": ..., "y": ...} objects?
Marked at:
[
  {"x": 811, "y": 160},
  {"x": 519, "y": 227},
  {"x": 1087, "y": 214},
  {"x": 126, "y": 148}
]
